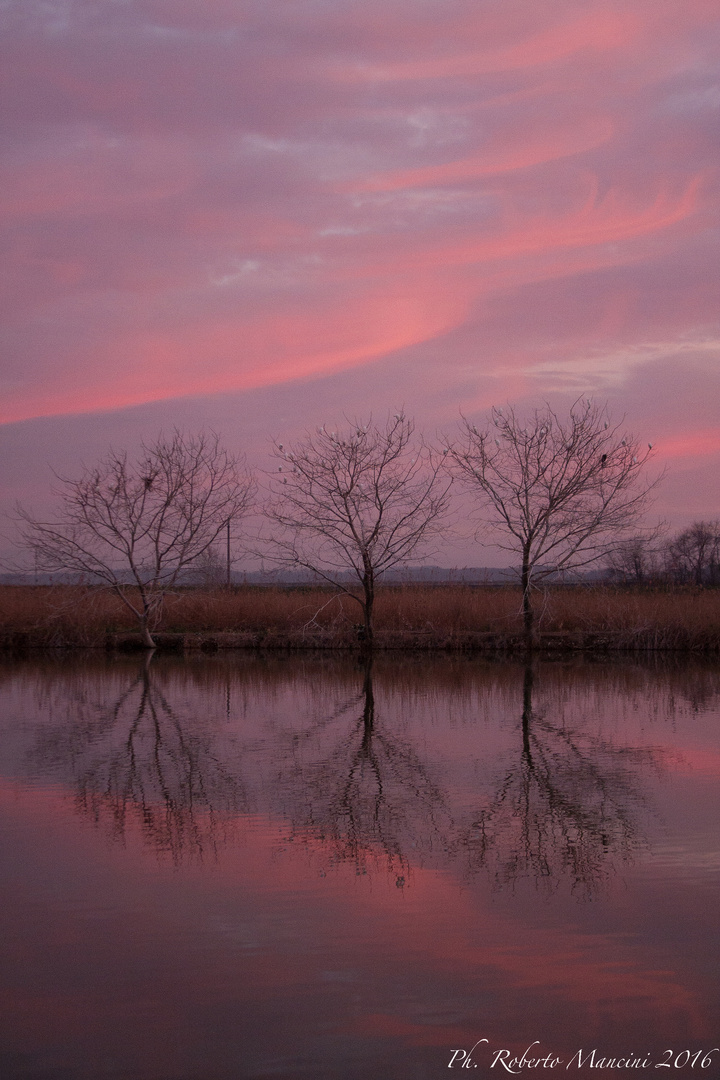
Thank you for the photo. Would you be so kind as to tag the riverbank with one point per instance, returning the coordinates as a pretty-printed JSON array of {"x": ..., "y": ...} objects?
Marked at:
[{"x": 463, "y": 618}]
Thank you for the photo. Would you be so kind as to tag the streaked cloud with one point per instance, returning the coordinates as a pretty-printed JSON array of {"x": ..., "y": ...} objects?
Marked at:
[{"x": 203, "y": 197}]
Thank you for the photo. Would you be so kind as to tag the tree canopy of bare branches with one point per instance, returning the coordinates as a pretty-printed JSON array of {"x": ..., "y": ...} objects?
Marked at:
[
  {"x": 136, "y": 527},
  {"x": 350, "y": 505},
  {"x": 635, "y": 559},
  {"x": 559, "y": 491},
  {"x": 694, "y": 554}
]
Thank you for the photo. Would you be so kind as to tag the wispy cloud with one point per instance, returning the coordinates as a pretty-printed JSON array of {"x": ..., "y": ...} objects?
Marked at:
[{"x": 207, "y": 196}]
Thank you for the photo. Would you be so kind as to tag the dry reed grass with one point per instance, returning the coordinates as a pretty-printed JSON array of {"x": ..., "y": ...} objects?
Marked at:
[{"x": 414, "y": 615}]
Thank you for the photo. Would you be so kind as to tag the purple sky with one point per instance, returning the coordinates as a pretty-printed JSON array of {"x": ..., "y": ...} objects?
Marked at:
[{"x": 261, "y": 215}]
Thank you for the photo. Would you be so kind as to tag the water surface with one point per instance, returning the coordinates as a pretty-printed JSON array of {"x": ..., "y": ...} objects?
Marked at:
[{"x": 242, "y": 867}]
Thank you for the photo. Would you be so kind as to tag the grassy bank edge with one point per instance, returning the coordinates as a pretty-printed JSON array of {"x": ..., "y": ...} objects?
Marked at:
[{"x": 414, "y": 617}]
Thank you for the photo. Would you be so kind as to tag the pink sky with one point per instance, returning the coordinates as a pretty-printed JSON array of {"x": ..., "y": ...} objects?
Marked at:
[{"x": 260, "y": 214}]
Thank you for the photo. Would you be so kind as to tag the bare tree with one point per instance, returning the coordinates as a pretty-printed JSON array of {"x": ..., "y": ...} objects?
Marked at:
[
  {"x": 561, "y": 491},
  {"x": 635, "y": 559},
  {"x": 137, "y": 527},
  {"x": 350, "y": 505},
  {"x": 694, "y": 554}
]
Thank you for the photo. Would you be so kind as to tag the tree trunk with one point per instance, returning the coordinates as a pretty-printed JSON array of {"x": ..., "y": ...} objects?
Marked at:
[
  {"x": 145, "y": 634},
  {"x": 369, "y": 590},
  {"x": 369, "y": 709},
  {"x": 528, "y": 680},
  {"x": 528, "y": 613}
]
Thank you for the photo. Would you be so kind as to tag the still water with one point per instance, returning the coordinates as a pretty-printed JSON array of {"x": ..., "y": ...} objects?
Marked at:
[{"x": 232, "y": 867}]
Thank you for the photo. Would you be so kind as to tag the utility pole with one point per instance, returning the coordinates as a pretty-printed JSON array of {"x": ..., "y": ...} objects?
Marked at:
[{"x": 227, "y": 580}]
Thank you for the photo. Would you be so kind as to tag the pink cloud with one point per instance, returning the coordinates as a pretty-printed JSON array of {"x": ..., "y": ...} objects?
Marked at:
[
  {"x": 692, "y": 444},
  {"x": 596, "y": 31},
  {"x": 528, "y": 148},
  {"x": 247, "y": 353},
  {"x": 612, "y": 219}
]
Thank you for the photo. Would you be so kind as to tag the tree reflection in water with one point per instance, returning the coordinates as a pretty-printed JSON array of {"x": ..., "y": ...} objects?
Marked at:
[
  {"x": 368, "y": 798},
  {"x": 568, "y": 810},
  {"x": 140, "y": 764},
  {"x": 346, "y": 779}
]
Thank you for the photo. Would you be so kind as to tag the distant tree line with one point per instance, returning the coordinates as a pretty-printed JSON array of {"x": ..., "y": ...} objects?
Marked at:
[
  {"x": 690, "y": 557},
  {"x": 347, "y": 505}
]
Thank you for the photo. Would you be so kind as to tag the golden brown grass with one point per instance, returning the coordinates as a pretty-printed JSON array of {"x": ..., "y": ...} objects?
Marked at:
[{"x": 415, "y": 615}]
